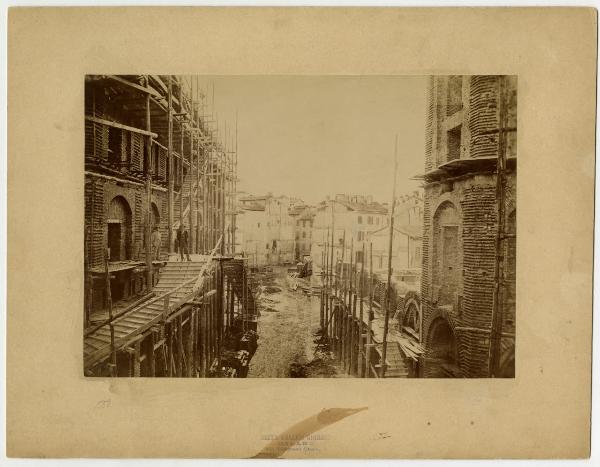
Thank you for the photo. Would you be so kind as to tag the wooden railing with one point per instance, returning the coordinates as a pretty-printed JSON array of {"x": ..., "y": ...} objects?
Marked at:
[{"x": 164, "y": 296}]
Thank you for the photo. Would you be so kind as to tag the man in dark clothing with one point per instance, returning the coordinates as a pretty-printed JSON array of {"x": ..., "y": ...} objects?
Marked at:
[{"x": 183, "y": 242}]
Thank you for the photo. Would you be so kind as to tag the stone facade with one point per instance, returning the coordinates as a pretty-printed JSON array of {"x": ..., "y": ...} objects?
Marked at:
[
  {"x": 265, "y": 229},
  {"x": 355, "y": 217}
]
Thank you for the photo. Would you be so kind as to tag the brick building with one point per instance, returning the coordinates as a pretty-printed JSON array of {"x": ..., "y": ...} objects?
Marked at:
[
  {"x": 471, "y": 122},
  {"x": 146, "y": 148}
]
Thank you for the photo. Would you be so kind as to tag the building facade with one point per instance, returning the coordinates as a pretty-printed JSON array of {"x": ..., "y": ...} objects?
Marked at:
[
  {"x": 352, "y": 218},
  {"x": 265, "y": 229},
  {"x": 302, "y": 219},
  {"x": 469, "y": 235},
  {"x": 252, "y": 233},
  {"x": 147, "y": 153},
  {"x": 407, "y": 244}
]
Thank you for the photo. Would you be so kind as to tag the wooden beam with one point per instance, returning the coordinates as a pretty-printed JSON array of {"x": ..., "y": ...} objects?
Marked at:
[
  {"x": 101, "y": 121},
  {"x": 139, "y": 87}
]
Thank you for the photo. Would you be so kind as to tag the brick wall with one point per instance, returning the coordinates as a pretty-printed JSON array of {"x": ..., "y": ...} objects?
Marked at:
[
  {"x": 99, "y": 192},
  {"x": 94, "y": 220},
  {"x": 483, "y": 116},
  {"x": 476, "y": 197},
  {"x": 429, "y": 125}
]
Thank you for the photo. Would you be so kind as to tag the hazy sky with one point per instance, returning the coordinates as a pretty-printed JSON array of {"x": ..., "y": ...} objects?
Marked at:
[{"x": 311, "y": 136}]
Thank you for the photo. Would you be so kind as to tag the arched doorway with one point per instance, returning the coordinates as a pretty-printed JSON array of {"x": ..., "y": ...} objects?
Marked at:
[
  {"x": 119, "y": 229},
  {"x": 154, "y": 216},
  {"x": 442, "y": 357},
  {"x": 446, "y": 253}
]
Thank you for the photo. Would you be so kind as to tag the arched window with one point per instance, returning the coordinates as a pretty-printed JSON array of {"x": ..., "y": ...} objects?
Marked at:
[
  {"x": 446, "y": 248},
  {"x": 119, "y": 229}
]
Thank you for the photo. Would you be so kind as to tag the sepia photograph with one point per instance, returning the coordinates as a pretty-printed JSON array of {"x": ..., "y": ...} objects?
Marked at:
[
  {"x": 324, "y": 194},
  {"x": 299, "y": 226}
]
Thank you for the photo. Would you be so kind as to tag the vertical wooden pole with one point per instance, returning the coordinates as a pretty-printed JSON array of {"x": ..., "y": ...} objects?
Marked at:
[
  {"x": 355, "y": 337},
  {"x": 361, "y": 348},
  {"x": 197, "y": 313},
  {"x": 498, "y": 294},
  {"x": 198, "y": 152},
  {"x": 222, "y": 203},
  {"x": 192, "y": 174},
  {"x": 349, "y": 280},
  {"x": 204, "y": 332},
  {"x": 213, "y": 337},
  {"x": 232, "y": 305},
  {"x": 113, "y": 350},
  {"x": 326, "y": 284},
  {"x": 368, "y": 356},
  {"x": 179, "y": 346},
  {"x": 190, "y": 345},
  {"x": 210, "y": 202},
  {"x": 331, "y": 265},
  {"x": 234, "y": 217},
  {"x": 169, "y": 330},
  {"x": 322, "y": 312},
  {"x": 147, "y": 230},
  {"x": 221, "y": 297},
  {"x": 136, "y": 359},
  {"x": 349, "y": 335},
  {"x": 152, "y": 368},
  {"x": 171, "y": 181},
  {"x": 389, "y": 272},
  {"x": 343, "y": 274},
  {"x": 209, "y": 329},
  {"x": 182, "y": 158}
]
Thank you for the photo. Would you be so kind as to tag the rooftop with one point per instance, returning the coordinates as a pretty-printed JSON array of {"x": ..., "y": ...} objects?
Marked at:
[
  {"x": 412, "y": 231},
  {"x": 362, "y": 207}
]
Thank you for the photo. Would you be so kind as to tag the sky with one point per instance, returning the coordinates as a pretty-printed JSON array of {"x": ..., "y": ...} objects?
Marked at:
[{"x": 314, "y": 136}]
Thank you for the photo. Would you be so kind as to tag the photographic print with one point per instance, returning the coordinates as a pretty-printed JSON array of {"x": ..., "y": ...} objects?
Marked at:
[
  {"x": 300, "y": 226},
  {"x": 317, "y": 194}
]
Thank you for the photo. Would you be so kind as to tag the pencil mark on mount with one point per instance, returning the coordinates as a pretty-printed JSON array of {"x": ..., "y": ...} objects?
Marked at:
[
  {"x": 103, "y": 404},
  {"x": 300, "y": 226}
]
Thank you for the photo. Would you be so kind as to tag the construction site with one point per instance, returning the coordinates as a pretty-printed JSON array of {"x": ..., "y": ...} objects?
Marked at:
[
  {"x": 165, "y": 294},
  {"x": 184, "y": 271},
  {"x": 461, "y": 322}
]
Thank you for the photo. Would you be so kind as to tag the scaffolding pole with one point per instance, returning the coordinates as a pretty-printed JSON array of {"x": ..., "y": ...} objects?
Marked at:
[
  {"x": 497, "y": 310},
  {"x": 388, "y": 291}
]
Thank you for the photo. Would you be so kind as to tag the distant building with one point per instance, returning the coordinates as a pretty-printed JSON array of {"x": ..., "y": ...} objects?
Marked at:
[
  {"x": 265, "y": 229},
  {"x": 252, "y": 234},
  {"x": 354, "y": 216},
  {"x": 407, "y": 246},
  {"x": 302, "y": 219},
  {"x": 464, "y": 115}
]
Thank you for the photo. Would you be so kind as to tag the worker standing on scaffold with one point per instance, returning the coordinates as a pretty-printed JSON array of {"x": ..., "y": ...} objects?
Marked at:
[{"x": 183, "y": 242}]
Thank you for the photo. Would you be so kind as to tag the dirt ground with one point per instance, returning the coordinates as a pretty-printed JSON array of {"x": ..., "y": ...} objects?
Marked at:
[{"x": 288, "y": 329}]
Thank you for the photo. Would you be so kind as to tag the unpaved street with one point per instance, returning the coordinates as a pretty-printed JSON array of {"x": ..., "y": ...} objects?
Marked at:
[{"x": 288, "y": 333}]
